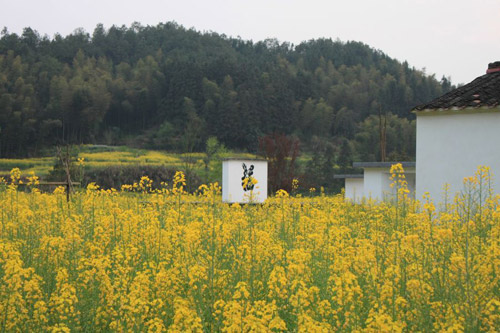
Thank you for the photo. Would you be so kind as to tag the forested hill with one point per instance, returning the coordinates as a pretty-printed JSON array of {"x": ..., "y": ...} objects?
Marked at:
[{"x": 168, "y": 87}]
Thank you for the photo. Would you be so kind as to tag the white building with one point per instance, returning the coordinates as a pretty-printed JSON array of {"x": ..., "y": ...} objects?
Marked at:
[
  {"x": 456, "y": 133},
  {"x": 376, "y": 181},
  {"x": 244, "y": 180},
  {"x": 354, "y": 190}
]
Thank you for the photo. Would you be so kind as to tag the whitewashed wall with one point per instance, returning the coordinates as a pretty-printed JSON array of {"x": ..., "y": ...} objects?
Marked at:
[
  {"x": 377, "y": 183},
  {"x": 374, "y": 183},
  {"x": 354, "y": 189},
  {"x": 452, "y": 146},
  {"x": 232, "y": 172}
]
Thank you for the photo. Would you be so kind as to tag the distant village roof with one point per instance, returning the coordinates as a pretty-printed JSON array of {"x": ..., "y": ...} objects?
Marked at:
[
  {"x": 382, "y": 164},
  {"x": 344, "y": 176},
  {"x": 483, "y": 92}
]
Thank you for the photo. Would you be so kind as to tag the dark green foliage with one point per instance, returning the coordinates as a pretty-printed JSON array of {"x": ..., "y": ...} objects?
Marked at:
[
  {"x": 400, "y": 135},
  {"x": 344, "y": 160},
  {"x": 214, "y": 151},
  {"x": 320, "y": 169},
  {"x": 168, "y": 87}
]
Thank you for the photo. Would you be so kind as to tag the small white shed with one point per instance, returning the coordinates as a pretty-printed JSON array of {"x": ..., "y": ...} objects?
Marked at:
[
  {"x": 353, "y": 190},
  {"x": 377, "y": 178},
  {"x": 244, "y": 180},
  {"x": 376, "y": 181}
]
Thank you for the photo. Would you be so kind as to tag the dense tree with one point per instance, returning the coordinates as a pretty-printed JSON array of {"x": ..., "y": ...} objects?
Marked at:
[
  {"x": 320, "y": 168},
  {"x": 172, "y": 88},
  {"x": 193, "y": 131},
  {"x": 400, "y": 136}
]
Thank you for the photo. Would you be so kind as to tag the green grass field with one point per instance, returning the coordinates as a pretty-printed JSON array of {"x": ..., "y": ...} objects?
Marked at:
[{"x": 98, "y": 156}]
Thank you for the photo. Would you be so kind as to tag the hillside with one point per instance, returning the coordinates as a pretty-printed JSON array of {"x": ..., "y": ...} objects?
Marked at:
[{"x": 167, "y": 87}]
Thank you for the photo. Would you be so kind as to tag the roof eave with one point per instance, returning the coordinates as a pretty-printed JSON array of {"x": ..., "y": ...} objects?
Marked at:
[
  {"x": 454, "y": 110},
  {"x": 349, "y": 176},
  {"x": 383, "y": 165}
]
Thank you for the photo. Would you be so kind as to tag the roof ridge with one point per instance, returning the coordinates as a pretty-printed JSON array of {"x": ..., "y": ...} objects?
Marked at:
[{"x": 484, "y": 91}]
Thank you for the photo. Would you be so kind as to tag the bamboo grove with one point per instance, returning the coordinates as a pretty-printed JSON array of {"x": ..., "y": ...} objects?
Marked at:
[{"x": 143, "y": 259}]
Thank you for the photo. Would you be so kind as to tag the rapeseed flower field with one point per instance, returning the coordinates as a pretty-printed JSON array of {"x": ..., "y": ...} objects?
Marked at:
[{"x": 141, "y": 259}]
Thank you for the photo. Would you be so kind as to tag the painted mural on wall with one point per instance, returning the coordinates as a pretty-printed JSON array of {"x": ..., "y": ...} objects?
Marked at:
[
  {"x": 248, "y": 181},
  {"x": 244, "y": 181}
]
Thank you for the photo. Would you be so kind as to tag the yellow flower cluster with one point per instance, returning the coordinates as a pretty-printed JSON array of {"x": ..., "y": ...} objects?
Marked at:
[
  {"x": 249, "y": 181},
  {"x": 139, "y": 259}
]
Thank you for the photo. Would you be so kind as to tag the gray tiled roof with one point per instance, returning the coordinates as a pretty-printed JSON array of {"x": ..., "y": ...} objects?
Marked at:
[
  {"x": 483, "y": 92},
  {"x": 382, "y": 164},
  {"x": 342, "y": 176}
]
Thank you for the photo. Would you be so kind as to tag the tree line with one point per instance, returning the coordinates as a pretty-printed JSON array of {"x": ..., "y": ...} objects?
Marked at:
[{"x": 168, "y": 87}]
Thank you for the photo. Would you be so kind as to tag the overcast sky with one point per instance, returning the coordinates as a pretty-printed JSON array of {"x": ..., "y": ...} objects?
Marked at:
[{"x": 455, "y": 38}]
